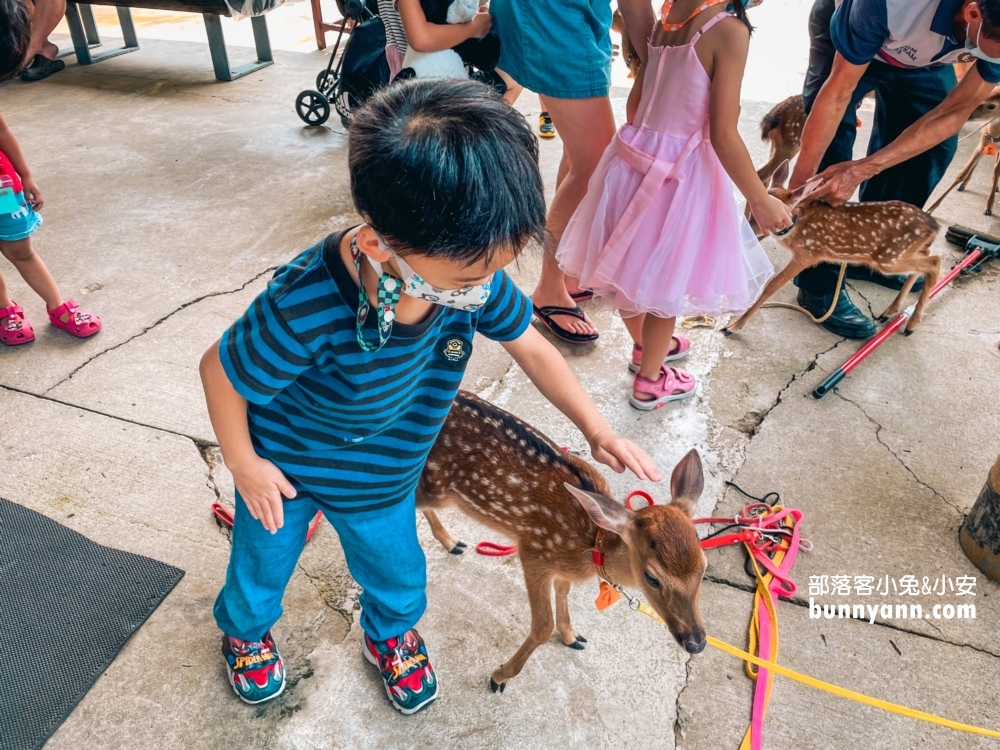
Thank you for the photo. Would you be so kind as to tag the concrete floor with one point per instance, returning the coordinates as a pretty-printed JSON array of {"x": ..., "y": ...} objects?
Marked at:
[{"x": 170, "y": 198}]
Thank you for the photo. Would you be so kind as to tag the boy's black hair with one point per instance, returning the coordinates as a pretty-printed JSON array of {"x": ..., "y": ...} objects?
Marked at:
[
  {"x": 991, "y": 18},
  {"x": 15, "y": 35},
  {"x": 445, "y": 168}
]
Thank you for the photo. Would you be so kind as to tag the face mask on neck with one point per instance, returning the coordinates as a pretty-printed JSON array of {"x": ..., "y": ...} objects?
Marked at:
[
  {"x": 469, "y": 298},
  {"x": 974, "y": 48}
]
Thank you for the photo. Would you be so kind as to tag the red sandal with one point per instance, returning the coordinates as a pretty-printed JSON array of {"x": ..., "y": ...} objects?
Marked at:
[
  {"x": 16, "y": 330},
  {"x": 81, "y": 324}
]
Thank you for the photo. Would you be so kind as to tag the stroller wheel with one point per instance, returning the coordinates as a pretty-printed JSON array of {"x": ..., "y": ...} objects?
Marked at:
[
  {"x": 312, "y": 107},
  {"x": 326, "y": 80}
]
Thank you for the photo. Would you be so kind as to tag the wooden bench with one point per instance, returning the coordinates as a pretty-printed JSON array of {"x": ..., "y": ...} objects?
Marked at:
[{"x": 83, "y": 29}]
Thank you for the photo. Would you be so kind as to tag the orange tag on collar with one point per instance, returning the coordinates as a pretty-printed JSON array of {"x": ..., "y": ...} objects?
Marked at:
[
  {"x": 607, "y": 597},
  {"x": 990, "y": 150},
  {"x": 859, "y": 122}
]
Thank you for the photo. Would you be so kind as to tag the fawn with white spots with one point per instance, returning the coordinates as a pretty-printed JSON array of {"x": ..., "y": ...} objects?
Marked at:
[
  {"x": 556, "y": 507},
  {"x": 891, "y": 237},
  {"x": 782, "y": 127},
  {"x": 990, "y": 136}
]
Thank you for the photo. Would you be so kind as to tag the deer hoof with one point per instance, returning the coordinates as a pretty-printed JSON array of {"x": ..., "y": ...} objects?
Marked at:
[
  {"x": 987, "y": 212},
  {"x": 726, "y": 332},
  {"x": 961, "y": 188},
  {"x": 575, "y": 645},
  {"x": 581, "y": 639},
  {"x": 458, "y": 549},
  {"x": 907, "y": 332},
  {"x": 495, "y": 687}
]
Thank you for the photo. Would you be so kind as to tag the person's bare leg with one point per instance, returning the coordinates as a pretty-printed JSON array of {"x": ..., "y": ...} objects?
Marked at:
[
  {"x": 586, "y": 127},
  {"x": 44, "y": 18},
  {"x": 635, "y": 325},
  {"x": 5, "y": 300},
  {"x": 33, "y": 271},
  {"x": 514, "y": 89},
  {"x": 656, "y": 336}
]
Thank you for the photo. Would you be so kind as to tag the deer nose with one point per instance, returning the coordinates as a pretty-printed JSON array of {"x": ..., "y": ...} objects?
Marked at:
[{"x": 694, "y": 643}]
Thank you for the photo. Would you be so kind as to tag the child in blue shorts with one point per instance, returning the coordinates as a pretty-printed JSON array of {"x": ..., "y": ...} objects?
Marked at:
[
  {"x": 19, "y": 199},
  {"x": 330, "y": 391}
]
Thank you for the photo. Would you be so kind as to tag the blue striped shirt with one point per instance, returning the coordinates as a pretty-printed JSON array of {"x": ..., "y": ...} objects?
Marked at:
[{"x": 349, "y": 427}]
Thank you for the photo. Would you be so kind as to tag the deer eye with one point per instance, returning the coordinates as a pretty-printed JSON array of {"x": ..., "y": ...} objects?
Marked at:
[
  {"x": 652, "y": 544},
  {"x": 652, "y": 581}
]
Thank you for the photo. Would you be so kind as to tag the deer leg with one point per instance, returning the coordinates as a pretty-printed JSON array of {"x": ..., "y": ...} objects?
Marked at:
[
  {"x": 897, "y": 304},
  {"x": 440, "y": 533},
  {"x": 991, "y": 197},
  {"x": 961, "y": 180},
  {"x": 787, "y": 274},
  {"x": 931, "y": 270},
  {"x": 566, "y": 632},
  {"x": 539, "y": 585}
]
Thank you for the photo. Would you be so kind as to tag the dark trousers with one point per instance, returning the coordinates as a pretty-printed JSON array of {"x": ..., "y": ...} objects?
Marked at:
[{"x": 902, "y": 96}]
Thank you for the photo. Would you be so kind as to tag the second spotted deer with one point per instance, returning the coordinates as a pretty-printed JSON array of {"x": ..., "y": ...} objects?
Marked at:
[
  {"x": 891, "y": 237},
  {"x": 557, "y": 508}
]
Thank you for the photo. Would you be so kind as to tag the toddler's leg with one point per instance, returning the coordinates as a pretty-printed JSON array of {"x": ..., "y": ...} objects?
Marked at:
[
  {"x": 656, "y": 340},
  {"x": 386, "y": 560},
  {"x": 5, "y": 300},
  {"x": 32, "y": 270},
  {"x": 260, "y": 566}
]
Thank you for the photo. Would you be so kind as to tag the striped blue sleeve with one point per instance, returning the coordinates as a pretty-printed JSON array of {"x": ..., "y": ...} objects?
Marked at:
[
  {"x": 858, "y": 29},
  {"x": 260, "y": 352},
  {"x": 507, "y": 313}
]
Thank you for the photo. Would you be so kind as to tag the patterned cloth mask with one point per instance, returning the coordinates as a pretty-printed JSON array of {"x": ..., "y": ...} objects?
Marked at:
[{"x": 469, "y": 298}]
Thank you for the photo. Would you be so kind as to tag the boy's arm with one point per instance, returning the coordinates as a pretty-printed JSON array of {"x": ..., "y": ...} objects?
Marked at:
[
  {"x": 547, "y": 369},
  {"x": 260, "y": 483},
  {"x": 424, "y": 36},
  {"x": 10, "y": 146}
]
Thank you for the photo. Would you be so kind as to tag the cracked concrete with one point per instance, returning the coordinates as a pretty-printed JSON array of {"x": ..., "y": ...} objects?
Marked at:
[{"x": 204, "y": 188}]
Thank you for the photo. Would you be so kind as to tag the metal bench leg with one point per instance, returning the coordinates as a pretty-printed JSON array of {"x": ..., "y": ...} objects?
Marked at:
[
  {"x": 83, "y": 30},
  {"x": 220, "y": 58}
]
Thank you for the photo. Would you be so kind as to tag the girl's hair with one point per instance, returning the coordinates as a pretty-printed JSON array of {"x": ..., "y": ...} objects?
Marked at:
[
  {"x": 445, "y": 168},
  {"x": 15, "y": 35},
  {"x": 740, "y": 11}
]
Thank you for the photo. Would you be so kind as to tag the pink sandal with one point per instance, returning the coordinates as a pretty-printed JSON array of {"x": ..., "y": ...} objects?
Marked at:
[
  {"x": 674, "y": 384},
  {"x": 81, "y": 324},
  {"x": 683, "y": 349},
  {"x": 16, "y": 330}
]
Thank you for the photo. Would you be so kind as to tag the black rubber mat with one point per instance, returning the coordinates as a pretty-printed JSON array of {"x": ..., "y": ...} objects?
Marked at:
[{"x": 67, "y": 607}]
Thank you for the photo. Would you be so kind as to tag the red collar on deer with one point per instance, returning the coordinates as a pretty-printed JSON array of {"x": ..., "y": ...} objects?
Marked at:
[{"x": 597, "y": 554}]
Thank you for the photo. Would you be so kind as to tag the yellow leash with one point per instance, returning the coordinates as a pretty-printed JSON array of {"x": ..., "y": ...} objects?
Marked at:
[{"x": 849, "y": 694}]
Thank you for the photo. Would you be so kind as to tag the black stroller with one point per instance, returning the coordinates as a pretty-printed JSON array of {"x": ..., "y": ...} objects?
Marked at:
[{"x": 347, "y": 82}]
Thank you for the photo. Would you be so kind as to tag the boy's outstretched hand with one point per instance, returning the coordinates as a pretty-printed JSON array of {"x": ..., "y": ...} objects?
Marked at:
[
  {"x": 262, "y": 485},
  {"x": 615, "y": 451}
]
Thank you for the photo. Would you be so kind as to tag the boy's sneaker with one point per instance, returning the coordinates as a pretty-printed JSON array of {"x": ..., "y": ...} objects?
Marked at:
[
  {"x": 256, "y": 671},
  {"x": 545, "y": 127},
  {"x": 409, "y": 678}
]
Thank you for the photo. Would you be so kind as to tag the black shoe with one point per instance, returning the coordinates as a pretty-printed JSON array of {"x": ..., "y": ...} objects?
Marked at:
[
  {"x": 847, "y": 320},
  {"x": 864, "y": 273},
  {"x": 41, "y": 68}
]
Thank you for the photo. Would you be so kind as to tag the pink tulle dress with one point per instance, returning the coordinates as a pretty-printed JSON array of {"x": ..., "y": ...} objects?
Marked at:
[{"x": 659, "y": 230}]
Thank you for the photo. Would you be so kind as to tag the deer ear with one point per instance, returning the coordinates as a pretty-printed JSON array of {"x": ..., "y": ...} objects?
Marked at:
[
  {"x": 604, "y": 511},
  {"x": 805, "y": 191},
  {"x": 780, "y": 175},
  {"x": 687, "y": 482}
]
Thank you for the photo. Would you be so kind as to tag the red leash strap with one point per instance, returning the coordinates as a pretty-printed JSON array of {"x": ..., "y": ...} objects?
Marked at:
[
  {"x": 492, "y": 549},
  {"x": 224, "y": 517}
]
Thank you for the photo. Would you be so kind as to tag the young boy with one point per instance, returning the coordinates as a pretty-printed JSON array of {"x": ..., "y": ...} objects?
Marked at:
[{"x": 330, "y": 391}]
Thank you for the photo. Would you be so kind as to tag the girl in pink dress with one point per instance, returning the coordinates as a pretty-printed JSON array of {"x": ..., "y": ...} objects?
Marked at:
[{"x": 659, "y": 231}]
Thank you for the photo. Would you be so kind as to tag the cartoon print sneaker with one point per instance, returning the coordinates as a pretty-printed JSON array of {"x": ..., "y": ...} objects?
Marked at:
[
  {"x": 256, "y": 671},
  {"x": 545, "y": 127},
  {"x": 409, "y": 678}
]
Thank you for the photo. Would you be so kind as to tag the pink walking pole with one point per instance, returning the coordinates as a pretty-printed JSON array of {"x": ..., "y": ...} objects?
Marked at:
[{"x": 976, "y": 252}]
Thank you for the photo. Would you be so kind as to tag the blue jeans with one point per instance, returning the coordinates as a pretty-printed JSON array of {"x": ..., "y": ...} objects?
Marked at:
[
  {"x": 902, "y": 96},
  {"x": 383, "y": 555}
]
